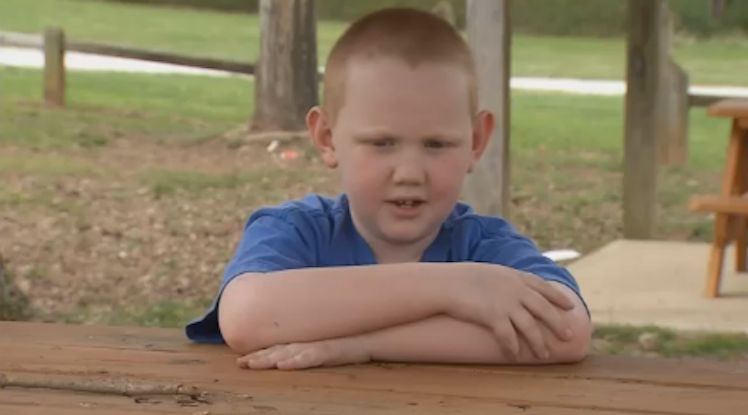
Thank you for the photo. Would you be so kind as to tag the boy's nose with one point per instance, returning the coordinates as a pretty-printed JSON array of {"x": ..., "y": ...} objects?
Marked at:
[{"x": 409, "y": 172}]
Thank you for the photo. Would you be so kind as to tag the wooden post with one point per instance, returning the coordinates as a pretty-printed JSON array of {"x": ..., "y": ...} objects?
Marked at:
[
  {"x": 489, "y": 36},
  {"x": 672, "y": 125},
  {"x": 643, "y": 94},
  {"x": 672, "y": 132},
  {"x": 54, "y": 67},
  {"x": 286, "y": 77}
]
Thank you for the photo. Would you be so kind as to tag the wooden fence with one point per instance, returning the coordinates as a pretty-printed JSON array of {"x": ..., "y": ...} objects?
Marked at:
[{"x": 55, "y": 44}]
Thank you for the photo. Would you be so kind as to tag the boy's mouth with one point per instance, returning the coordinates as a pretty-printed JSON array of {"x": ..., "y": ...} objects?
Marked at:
[{"x": 406, "y": 203}]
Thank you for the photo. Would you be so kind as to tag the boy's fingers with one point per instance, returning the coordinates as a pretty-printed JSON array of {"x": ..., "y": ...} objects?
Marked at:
[
  {"x": 302, "y": 360},
  {"x": 267, "y": 358},
  {"x": 507, "y": 337},
  {"x": 243, "y": 362},
  {"x": 293, "y": 363},
  {"x": 528, "y": 327},
  {"x": 265, "y": 352},
  {"x": 284, "y": 353},
  {"x": 255, "y": 363},
  {"x": 539, "y": 307},
  {"x": 550, "y": 292}
]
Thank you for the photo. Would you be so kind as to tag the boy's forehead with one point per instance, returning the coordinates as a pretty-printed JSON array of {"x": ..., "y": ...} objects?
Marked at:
[
  {"x": 405, "y": 99},
  {"x": 360, "y": 68},
  {"x": 392, "y": 80}
]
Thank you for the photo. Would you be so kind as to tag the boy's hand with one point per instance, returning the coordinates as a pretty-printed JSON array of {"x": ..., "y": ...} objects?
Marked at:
[
  {"x": 295, "y": 356},
  {"x": 512, "y": 300}
]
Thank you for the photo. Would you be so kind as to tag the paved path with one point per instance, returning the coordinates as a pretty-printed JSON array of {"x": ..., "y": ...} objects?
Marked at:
[
  {"x": 661, "y": 283},
  {"x": 33, "y": 58}
]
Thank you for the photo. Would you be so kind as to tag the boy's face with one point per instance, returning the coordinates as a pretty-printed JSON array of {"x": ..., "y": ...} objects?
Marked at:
[{"x": 403, "y": 140}]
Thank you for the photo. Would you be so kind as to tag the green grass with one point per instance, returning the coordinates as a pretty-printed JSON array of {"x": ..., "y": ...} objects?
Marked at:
[
  {"x": 717, "y": 61},
  {"x": 556, "y": 123},
  {"x": 236, "y": 37},
  {"x": 111, "y": 105},
  {"x": 50, "y": 165},
  {"x": 625, "y": 339},
  {"x": 105, "y": 105},
  {"x": 187, "y": 31},
  {"x": 165, "y": 313},
  {"x": 165, "y": 182}
]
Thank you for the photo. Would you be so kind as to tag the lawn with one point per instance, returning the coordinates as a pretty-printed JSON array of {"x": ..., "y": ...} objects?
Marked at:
[
  {"x": 236, "y": 37},
  {"x": 124, "y": 207}
]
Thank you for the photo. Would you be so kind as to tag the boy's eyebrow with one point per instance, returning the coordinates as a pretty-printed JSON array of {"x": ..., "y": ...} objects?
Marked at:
[
  {"x": 374, "y": 135},
  {"x": 443, "y": 137},
  {"x": 379, "y": 135}
]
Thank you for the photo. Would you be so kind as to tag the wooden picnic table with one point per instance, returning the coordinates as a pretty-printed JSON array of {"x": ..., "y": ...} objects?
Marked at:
[
  {"x": 731, "y": 205},
  {"x": 76, "y": 369}
]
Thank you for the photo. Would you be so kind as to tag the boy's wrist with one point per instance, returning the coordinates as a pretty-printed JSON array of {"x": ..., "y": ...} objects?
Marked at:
[
  {"x": 356, "y": 349},
  {"x": 458, "y": 282}
]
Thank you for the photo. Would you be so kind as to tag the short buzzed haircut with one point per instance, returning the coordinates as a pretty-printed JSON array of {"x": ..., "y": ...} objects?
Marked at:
[{"x": 410, "y": 35}]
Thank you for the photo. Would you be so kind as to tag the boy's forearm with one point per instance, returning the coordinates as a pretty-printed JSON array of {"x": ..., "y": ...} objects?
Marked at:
[
  {"x": 443, "y": 339},
  {"x": 258, "y": 311}
]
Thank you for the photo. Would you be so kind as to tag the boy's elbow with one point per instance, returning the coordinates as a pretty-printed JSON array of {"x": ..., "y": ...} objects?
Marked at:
[
  {"x": 239, "y": 317},
  {"x": 238, "y": 335},
  {"x": 578, "y": 348}
]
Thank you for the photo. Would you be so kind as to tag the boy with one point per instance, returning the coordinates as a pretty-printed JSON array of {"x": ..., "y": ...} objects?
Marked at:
[{"x": 394, "y": 269}]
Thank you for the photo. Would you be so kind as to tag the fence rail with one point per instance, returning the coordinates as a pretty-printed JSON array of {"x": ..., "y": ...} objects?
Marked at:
[
  {"x": 55, "y": 44},
  {"x": 38, "y": 42}
]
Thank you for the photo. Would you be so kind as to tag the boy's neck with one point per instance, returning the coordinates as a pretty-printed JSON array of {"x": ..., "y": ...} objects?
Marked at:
[
  {"x": 389, "y": 253},
  {"x": 386, "y": 253},
  {"x": 397, "y": 257}
]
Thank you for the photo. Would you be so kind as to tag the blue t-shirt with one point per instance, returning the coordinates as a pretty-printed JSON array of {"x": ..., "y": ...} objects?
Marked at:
[{"x": 317, "y": 231}]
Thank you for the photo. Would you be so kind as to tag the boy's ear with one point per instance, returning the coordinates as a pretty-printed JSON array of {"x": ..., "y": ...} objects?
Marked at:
[
  {"x": 482, "y": 130},
  {"x": 321, "y": 133}
]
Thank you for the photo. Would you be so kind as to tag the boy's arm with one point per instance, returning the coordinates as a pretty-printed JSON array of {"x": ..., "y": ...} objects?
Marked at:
[
  {"x": 442, "y": 339},
  {"x": 437, "y": 339},
  {"x": 306, "y": 305},
  {"x": 309, "y": 304}
]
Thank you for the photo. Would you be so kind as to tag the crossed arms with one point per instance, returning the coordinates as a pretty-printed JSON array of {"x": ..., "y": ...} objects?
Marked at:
[{"x": 463, "y": 312}]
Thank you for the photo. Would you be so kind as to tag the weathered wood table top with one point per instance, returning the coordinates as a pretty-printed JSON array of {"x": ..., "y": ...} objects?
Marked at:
[{"x": 60, "y": 369}]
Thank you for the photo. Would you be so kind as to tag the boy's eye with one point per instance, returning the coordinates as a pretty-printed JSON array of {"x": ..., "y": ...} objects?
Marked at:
[
  {"x": 384, "y": 142},
  {"x": 435, "y": 144}
]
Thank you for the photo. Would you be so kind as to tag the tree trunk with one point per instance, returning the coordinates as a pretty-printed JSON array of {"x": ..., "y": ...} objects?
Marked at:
[
  {"x": 286, "y": 80},
  {"x": 489, "y": 34}
]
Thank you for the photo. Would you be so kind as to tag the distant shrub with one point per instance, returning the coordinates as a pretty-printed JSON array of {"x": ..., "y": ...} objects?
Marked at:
[
  {"x": 540, "y": 17},
  {"x": 13, "y": 303}
]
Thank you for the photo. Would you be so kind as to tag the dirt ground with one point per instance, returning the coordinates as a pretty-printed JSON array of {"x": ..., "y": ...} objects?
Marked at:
[
  {"x": 90, "y": 232},
  {"x": 137, "y": 232}
]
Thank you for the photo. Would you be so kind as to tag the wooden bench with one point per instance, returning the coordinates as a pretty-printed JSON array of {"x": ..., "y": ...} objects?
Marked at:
[
  {"x": 730, "y": 207},
  {"x": 62, "y": 369}
]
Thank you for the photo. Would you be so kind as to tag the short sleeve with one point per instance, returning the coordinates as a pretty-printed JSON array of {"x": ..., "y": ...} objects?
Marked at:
[
  {"x": 269, "y": 243},
  {"x": 514, "y": 250}
]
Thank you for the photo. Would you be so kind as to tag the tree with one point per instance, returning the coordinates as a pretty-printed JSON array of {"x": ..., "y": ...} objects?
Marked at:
[{"x": 286, "y": 77}]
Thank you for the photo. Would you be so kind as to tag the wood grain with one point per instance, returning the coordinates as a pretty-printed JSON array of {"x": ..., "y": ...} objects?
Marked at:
[{"x": 145, "y": 357}]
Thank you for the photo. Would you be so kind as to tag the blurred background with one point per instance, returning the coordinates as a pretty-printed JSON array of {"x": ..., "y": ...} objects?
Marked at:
[{"x": 123, "y": 204}]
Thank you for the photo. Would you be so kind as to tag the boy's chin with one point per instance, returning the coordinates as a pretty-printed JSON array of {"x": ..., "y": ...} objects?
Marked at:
[{"x": 406, "y": 235}]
